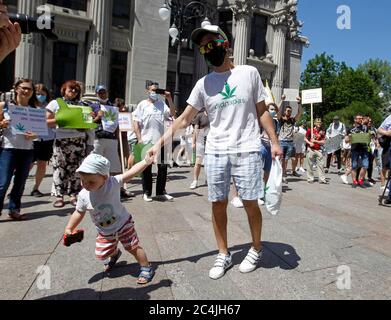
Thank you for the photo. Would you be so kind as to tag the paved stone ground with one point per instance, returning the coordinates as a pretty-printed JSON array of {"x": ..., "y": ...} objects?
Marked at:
[{"x": 320, "y": 228}]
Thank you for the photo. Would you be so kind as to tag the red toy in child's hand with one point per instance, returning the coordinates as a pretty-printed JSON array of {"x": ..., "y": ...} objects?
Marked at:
[{"x": 70, "y": 239}]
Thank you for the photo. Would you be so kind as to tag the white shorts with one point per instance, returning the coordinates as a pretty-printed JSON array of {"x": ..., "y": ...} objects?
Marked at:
[{"x": 108, "y": 148}]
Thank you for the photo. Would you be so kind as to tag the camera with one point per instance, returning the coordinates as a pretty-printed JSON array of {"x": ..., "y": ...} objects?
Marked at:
[
  {"x": 160, "y": 91},
  {"x": 31, "y": 25}
]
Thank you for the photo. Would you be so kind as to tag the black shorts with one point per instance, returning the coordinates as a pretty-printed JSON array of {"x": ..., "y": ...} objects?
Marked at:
[{"x": 43, "y": 150}]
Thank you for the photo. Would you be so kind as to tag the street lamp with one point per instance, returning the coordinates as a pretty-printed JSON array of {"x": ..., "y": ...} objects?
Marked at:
[{"x": 182, "y": 12}]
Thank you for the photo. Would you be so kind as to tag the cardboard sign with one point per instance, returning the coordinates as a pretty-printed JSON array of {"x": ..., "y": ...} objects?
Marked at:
[
  {"x": 291, "y": 94},
  {"x": 333, "y": 144},
  {"x": 110, "y": 118},
  {"x": 28, "y": 120},
  {"x": 125, "y": 121},
  {"x": 312, "y": 96}
]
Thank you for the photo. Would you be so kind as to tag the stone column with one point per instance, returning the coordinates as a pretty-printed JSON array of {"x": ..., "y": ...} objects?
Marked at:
[
  {"x": 28, "y": 56},
  {"x": 242, "y": 13},
  {"x": 98, "y": 45},
  {"x": 278, "y": 52}
]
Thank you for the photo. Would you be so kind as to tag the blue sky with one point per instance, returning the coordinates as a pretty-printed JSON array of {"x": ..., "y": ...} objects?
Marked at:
[{"x": 369, "y": 36}]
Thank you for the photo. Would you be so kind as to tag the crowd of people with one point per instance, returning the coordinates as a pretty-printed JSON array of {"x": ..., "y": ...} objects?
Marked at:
[{"x": 235, "y": 134}]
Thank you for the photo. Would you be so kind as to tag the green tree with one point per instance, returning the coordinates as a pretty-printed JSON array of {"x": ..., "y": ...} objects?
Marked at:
[
  {"x": 321, "y": 72},
  {"x": 380, "y": 73},
  {"x": 346, "y": 115},
  {"x": 341, "y": 85}
]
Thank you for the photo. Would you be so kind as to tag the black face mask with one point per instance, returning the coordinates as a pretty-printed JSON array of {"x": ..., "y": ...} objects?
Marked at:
[{"x": 216, "y": 56}]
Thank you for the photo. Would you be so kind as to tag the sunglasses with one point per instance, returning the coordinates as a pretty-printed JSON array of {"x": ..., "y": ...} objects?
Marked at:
[{"x": 210, "y": 46}]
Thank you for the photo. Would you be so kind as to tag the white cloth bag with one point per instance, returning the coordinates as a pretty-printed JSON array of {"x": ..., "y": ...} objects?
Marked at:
[{"x": 273, "y": 190}]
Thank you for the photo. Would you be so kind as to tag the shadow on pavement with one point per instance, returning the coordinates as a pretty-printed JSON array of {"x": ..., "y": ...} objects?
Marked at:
[
  {"x": 139, "y": 293},
  {"x": 275, "y": 255}
]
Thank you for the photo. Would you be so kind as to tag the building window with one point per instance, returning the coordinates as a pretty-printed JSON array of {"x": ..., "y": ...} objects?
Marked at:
[
  {"x": 80, "y": 5},
  {"x": 258, "y": 35},
  {"x": 185, "y": 87},
  {"x": 225, "y": 23},
  {"x": 118, "y": 68},
  {"x": 64, "y": 64},
  {"x": 121, "y": 14}
]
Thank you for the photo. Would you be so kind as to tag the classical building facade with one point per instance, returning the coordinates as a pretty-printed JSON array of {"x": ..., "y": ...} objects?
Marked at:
[{"x": 123, "y": 43}]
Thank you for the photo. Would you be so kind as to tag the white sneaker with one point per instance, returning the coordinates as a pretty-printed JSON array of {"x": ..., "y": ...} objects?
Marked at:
[
  {"x": 165, "y": 197},
  {"x": 250, "y": 263},
  {"x": 222, "y": 263},
  {"x": 237, "y": 202},
  {"x": 194, "y": 185},
  {"x": 261, "y": 202},
  {"x": 147, "y": 198},
  {"x": 344, "y": 179},
  {"x": 302, "y": 170}
]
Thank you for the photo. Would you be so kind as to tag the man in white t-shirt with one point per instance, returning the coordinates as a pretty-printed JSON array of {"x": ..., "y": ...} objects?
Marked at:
[
  {"x": 149, "y": 119},
  {"x": 234, "y": 98}
]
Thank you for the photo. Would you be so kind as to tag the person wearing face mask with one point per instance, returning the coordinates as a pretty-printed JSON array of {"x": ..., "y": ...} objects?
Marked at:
[
  {"x": 234, "y": 98},
  {"x": 106, "y": 142},
  {"x": 43, "y": 146},
  {"x": 287, "y": 129},
  {"x": 149, "y": 118}
]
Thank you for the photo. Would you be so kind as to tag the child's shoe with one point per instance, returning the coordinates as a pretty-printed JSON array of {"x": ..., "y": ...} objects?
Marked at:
[
  {"x": 146, "y": 275},
  {"x": 110, "y": 262}
]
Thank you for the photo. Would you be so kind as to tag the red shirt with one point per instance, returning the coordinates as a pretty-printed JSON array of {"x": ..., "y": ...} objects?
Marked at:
[{"x": 317, "y": 136}]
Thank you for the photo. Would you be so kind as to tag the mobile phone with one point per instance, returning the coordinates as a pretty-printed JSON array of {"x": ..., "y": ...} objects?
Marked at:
[{"x": 160, "y": 91}]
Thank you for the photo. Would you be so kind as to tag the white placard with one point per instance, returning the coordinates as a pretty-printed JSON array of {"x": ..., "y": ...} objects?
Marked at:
[
  {"x": 333, "y": 144},
  {"x": 28, "y": 120},
  {"x": 312, "y": 96},
  {"x": 125, "y": 121},
  {"x": 291, "y": 94},
  {"x": 110, "y": 118}
]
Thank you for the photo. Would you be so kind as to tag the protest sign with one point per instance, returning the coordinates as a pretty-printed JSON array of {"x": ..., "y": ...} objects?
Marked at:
[
  {"x": 291, "y": 94},
  {"x": 333, "y": 144},
  {"x": 312, "y": 96},
  {"x": 74, "y": 117},
  {"x": 25, "y": 120},
  {"x": 110, "y": 118},
  {"x": 125, "y": 121}
]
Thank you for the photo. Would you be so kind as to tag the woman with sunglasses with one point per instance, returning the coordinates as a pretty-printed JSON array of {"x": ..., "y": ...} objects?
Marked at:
[
  {"x": 17, "y": 151},
  {"x": 69, "y": 149}
]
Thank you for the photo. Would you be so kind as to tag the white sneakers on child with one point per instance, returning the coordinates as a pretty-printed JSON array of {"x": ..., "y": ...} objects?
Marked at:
[
  {"x": 222, "y": 263},
  {"x": 251, "y": 261}
]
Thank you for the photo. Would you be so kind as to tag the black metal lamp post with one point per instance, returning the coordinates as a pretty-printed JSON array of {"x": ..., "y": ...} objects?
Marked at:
[{"x": 183, "y": 11}]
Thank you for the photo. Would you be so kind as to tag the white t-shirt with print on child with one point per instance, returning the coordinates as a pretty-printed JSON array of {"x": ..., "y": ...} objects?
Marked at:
[
  {"x": 105, "y": 207},
  {"x": 230, "y": 100}
]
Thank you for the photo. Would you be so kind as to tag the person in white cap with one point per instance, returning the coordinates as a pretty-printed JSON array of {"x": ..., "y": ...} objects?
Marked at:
[
  {"x": 101, "y": 198},
  {"x": 234, "y": 98}
]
